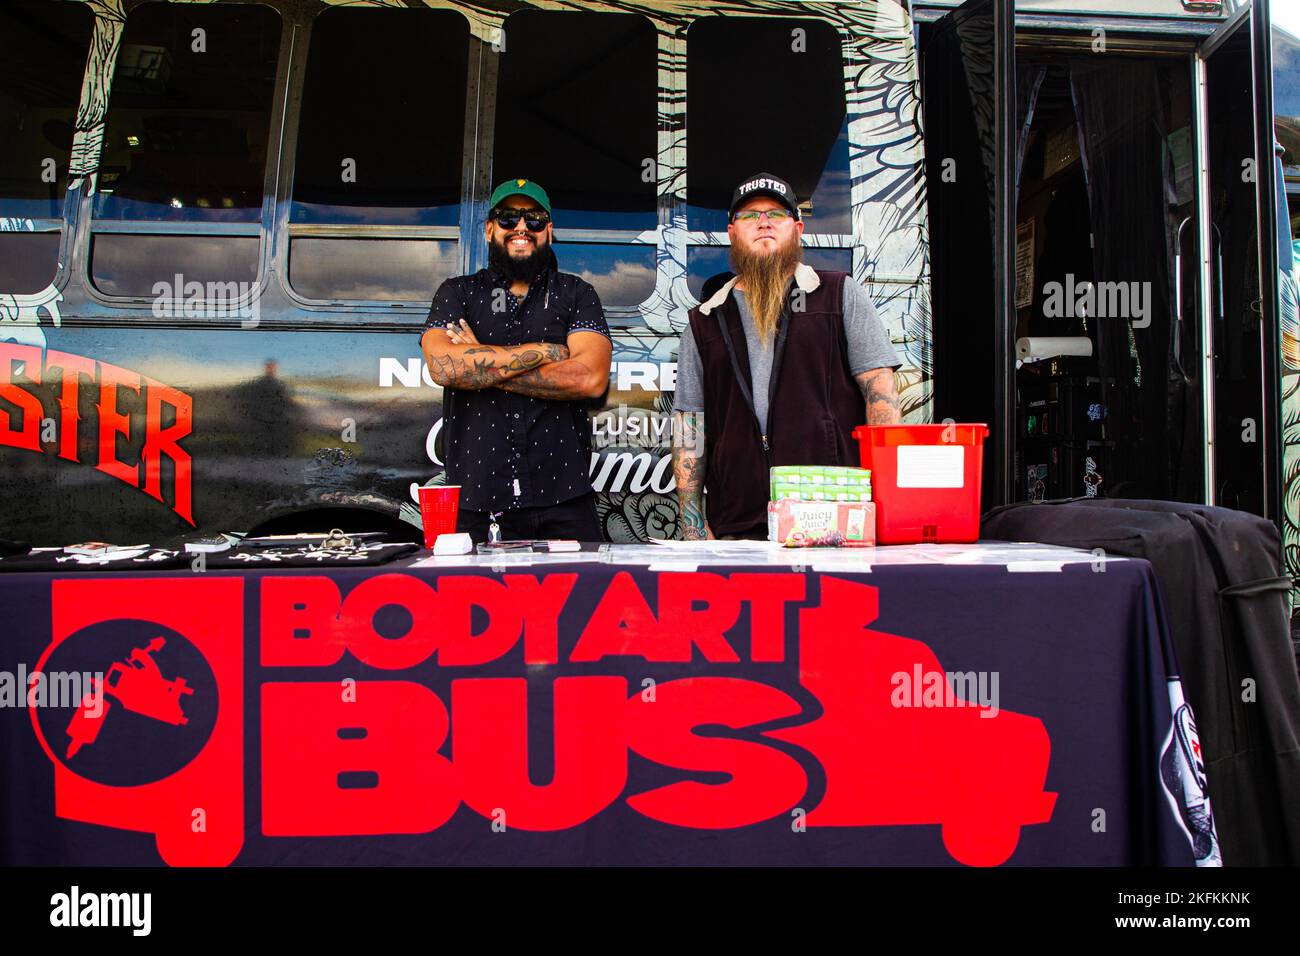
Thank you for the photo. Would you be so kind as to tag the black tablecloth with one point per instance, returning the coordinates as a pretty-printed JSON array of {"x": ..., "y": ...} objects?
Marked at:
[{"x": 592, "y": 713}]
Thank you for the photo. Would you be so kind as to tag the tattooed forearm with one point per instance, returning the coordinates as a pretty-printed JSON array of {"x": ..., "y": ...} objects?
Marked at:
[
  {"x": 524, "y": 361},
  {"x": 565, "y": 380},
  {"x": 689, "y": 465},
  {"x": 483, "y": 366},
  {"x": 877, "y": 387},
  {"x": 455, "y": 372}
]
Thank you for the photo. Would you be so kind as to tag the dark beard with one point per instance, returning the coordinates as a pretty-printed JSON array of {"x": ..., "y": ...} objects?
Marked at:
[
  {"x": 767, "y": 278},
  {"x": 520, "y": 270}
]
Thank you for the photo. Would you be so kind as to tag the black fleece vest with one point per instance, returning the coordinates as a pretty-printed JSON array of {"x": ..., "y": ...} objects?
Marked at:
[{"x": 817, "y": 405}]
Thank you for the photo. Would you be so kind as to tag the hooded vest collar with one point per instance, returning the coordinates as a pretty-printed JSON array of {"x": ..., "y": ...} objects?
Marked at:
[{"x": 805, "y": 277}]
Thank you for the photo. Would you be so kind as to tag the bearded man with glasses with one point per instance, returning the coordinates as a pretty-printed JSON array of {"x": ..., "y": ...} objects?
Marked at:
[
  {"x": 777, "y": 367},
  {"x": 522, "y": 351}
]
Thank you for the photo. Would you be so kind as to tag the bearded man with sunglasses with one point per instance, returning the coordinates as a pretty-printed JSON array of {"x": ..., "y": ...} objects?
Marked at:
[
  {"x": 522, "y": 351},
  {"x": 780, "y": 365}
]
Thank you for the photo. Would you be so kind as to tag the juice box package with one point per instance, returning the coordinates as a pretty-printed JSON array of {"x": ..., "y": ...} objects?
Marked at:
[
  {"x": 820, "y": 475},
  {"x": 821, "y": 524},
  {"x": 782, "y": 489}
]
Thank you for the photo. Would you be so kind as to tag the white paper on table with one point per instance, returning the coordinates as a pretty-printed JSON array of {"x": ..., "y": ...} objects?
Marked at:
[{"x": 717, "y": 544}]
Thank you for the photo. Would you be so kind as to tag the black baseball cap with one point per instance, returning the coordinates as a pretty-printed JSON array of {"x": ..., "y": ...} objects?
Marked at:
[{"x": 764, "y": 184}]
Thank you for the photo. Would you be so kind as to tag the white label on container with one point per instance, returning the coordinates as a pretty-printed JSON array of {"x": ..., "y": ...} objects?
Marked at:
[{"x": 931, "y": 466}]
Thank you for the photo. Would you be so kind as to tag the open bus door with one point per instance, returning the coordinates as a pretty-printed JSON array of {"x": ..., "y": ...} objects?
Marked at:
[
  {"x": 1238, "y": 274},
  {"x": 1193, "y": 385},
  {"x": 968, "y": 95}
]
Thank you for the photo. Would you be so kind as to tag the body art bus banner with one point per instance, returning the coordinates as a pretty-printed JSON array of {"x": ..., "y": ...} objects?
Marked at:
[{"x": 594, "y": 714}]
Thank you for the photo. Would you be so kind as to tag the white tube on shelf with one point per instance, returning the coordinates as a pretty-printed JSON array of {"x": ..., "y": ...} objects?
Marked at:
[{"x": 1038, "y": 349}]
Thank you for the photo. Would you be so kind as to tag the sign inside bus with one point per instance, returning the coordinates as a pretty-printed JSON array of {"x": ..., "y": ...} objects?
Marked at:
[{"x": 127, "y": 404}]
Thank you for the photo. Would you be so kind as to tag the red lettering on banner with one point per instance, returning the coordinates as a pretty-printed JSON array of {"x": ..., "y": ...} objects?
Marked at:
[
  {"x": 764, "y": 781},
  {"x": 299, "y": 616},
  {"x": 363, "y": 758},
  {"x": 30, "y": 406},
  {"x": 73, "y": 367},
  {"x": 303, "y": 756},
  {"x": 624, "y": 626},
  {"x": 705, "y": 627},
  {"x": 357, "y": 621},
  {"x": 459, "y": 595},
  {"x": 490, "y": 750},
  {"x": 307, "y": 623},
  {"x": 768, "y": 593},
  {"x": 540, "y": 603}
]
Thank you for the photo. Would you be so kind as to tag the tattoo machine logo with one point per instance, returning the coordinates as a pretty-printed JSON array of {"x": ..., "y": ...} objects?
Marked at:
[{"x": 162, "y": 751}]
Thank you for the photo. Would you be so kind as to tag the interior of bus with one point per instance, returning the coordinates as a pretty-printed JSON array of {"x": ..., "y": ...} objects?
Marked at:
[{"x": 1110, "y": 386}]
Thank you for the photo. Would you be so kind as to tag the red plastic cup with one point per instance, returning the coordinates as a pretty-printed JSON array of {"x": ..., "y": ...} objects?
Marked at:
[{"x": 439, "y": 506}]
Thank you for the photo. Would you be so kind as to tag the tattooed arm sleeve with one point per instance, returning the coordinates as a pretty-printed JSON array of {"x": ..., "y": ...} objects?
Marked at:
[
  {"x": 877, "y": 386},
  {"x": 483, "y": 366},
  {"x": 688, "y": 469},
  {"x": 585, "y": 374}
]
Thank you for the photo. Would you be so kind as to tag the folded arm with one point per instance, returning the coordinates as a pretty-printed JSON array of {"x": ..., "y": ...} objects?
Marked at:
[
  {"x": 584, "y": 374},
  {"x": 476, "y": 366},
  {"x": 688, "y": 471},
  {"x": 877, "y": 386}
]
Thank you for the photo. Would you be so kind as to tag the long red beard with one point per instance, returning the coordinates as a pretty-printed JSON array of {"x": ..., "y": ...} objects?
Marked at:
[{"x": 766, "y": 277}]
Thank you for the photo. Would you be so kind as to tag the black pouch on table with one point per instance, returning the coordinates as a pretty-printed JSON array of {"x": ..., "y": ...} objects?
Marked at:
[{"x": 1227, "y": 601}]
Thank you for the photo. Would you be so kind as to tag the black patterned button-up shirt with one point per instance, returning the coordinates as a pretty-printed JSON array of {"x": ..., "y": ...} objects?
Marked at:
[{"x": 507, "y": 450}]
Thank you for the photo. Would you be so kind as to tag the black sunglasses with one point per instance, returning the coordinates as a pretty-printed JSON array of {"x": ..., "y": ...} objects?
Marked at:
[{"x": 535, "y": 219}]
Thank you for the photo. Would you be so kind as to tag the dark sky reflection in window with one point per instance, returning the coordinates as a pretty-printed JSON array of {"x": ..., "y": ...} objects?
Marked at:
[
  {"x": 792, "y": 122},
  {"x": 385, "y": 88},
  {"x": 187, "y": 131},
  {"x": 576, "y": 111},
  {"x": 43, "y": 48}
]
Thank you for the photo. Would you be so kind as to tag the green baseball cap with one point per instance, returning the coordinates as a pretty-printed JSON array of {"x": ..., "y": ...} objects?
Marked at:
[{"x": 519, "y": 187}]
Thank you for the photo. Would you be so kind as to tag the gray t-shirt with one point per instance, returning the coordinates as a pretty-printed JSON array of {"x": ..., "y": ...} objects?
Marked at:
[{"x": 867, "y": 339}]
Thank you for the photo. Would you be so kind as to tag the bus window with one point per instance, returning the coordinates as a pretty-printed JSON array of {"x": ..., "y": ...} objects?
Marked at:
[
  {"x": 766, "y": 95},
  {"x": 577, "y": 106},
  {"x": 185, "y": 142},
  {"x": 623, "y": 275},
  {"x": 128, "y": 265},
  {"x": 43, "y": 49},
  {"x": 380, "y": 144},
  {"x": 369, "y": 269}
]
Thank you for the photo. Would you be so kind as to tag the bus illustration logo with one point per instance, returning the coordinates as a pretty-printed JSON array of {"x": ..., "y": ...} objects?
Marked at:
[{"x": 161, "y": 751}]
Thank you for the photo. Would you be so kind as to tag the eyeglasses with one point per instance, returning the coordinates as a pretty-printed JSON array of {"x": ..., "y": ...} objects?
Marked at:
[
  {"x": 751, "y": 215},
  {"x": 535, "y": 219}
]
